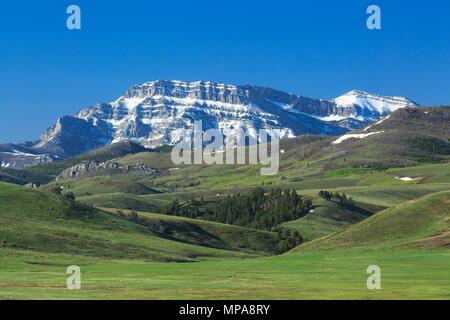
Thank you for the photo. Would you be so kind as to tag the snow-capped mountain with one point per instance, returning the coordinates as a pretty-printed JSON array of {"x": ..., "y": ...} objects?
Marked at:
[{"x": 159, "y": 112}]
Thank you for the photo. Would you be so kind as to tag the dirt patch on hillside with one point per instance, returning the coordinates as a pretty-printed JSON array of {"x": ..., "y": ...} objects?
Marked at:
[{"x": 438, "y": 240}]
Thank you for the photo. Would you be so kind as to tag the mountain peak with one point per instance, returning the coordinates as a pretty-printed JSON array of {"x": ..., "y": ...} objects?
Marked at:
[
  {"x": 382, "y": 105},
  {"x": 356, "y": 93}
]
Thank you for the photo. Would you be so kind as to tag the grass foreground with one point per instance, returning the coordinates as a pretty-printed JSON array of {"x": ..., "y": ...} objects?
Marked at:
[
  {"x": 336, "y": 274},
  {"x": 411, "y": 266}
]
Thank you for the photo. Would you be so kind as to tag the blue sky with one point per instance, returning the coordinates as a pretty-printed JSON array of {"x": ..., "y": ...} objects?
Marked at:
[{"x": 319, "y": 49}]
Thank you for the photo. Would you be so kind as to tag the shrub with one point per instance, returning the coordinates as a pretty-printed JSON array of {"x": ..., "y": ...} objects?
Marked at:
[
  {"x": 70, "y": 196},
  {"x": 134, "y": 216},
  {"x": 56, "y": 190}
]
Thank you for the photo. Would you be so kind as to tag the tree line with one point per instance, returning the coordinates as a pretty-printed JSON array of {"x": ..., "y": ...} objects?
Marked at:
[
  {"x": 258, "y": 209},
  {"x": 342, "y": 198}
]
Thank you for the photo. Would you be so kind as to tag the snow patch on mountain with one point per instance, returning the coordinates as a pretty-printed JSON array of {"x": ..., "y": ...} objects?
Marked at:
[
  {"x": 407, "y": 178},
  {"x": 19, "y": 153},
  {"x": 355, "y": 136},
  {"x": 377, "y": 123},
  {"x": 4, "y": 164}
]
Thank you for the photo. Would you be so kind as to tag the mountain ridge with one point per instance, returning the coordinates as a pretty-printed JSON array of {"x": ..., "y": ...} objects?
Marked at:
[{"x": 159, "y": 112}]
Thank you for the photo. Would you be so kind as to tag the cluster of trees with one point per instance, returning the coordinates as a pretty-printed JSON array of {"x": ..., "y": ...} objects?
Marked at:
[
  {"x": 255, "y": 210},
  {"x": 342, "y": 198},
  {"x": 288, "y": 239}
]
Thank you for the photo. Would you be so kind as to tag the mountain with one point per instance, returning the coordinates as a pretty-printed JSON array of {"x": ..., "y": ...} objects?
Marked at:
[{"x": 158, "y": 113}]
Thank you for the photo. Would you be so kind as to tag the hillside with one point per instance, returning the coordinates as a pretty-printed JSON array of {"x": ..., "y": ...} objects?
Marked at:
[
  {"x": 327, "y": 217},
  {"x": 209, "y": 234},
  {"x": 420, "y": 223},
  {"x": 23, "y": 177},
  {"x": 39, "y": 221},
  {"x": 407, "y": 137},
  {"x": 103, "y": 185}
]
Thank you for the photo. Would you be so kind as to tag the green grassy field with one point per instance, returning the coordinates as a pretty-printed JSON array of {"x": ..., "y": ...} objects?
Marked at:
[
  {"x": 408, "y": 242},
  {"x": 337, "y": 274}
]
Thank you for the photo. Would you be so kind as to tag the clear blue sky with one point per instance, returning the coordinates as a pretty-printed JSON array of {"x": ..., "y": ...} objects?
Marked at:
[{"x": 318, "y": 49}]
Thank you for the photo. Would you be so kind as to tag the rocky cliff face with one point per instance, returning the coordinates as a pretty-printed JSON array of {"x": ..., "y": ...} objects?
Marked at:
[
  {"x": 95, "y": 168},
  {"x": 159, "y": 112}
]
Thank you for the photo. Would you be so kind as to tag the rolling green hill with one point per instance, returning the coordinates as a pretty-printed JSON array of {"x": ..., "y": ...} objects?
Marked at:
[
  {"x": 102, "y": 185},
  {"x": 419, "y": 223},
  {"x": 125, "y": 201},
  {"x": 48, "y": 223},
  {"x": 210, "y": 234},
  {"x": 328, "y": 217},
  {"x": 23, "y": 177}
]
